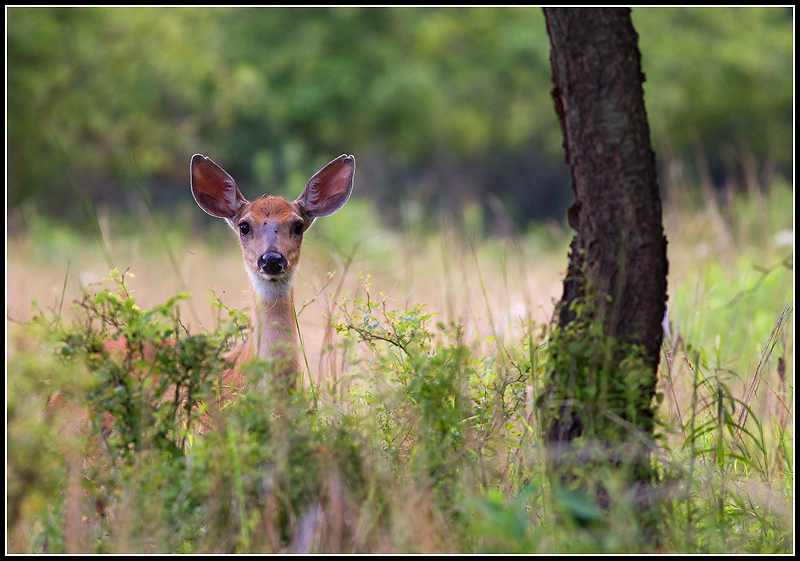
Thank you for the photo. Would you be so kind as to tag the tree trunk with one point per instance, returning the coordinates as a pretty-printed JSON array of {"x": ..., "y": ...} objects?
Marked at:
[{"x": 608, "y": 337}]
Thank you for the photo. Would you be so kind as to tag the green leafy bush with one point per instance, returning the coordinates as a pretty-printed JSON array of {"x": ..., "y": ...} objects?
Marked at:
[{"x": 427, "y": 442}]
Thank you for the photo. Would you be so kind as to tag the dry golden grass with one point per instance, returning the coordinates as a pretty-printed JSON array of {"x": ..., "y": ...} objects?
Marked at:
[
  {"x": 490, "y": 287},
  {"x": 719, "y": 302},
  {"x": 491, "y": 290}
]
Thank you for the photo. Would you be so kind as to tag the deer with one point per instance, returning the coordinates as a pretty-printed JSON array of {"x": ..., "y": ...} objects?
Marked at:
[{"x": 270, "y": 231}]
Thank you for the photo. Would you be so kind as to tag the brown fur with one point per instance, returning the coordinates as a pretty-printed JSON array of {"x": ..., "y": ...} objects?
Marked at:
[{"x": 270, "y": 231}]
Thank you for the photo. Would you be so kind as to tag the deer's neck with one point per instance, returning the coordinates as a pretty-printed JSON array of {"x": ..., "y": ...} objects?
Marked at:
[{"x": 272, "y": 319}]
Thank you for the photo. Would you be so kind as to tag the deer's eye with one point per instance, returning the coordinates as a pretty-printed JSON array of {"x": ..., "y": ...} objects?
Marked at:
[
  {"x": 297, "y": 227},
  {"x": 244, "y": 228}
]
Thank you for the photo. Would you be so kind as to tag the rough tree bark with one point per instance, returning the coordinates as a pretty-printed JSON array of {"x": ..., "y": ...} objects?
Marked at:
[{"x": 616, "y": 283}]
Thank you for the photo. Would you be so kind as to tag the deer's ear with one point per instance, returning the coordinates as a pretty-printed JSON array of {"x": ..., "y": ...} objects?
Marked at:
[
  {"x": 329, "y": 188},
  {"x": 214, "y": 190}
]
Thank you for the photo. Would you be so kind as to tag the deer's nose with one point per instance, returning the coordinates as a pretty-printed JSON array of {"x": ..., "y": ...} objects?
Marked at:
[{"x": 272, "y": 263}]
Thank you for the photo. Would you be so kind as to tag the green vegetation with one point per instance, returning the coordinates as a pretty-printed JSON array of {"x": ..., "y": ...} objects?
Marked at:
[
  {"x": 100, "y": 98},
  {"x": 425, "y": 439},
  {"x": 417, "y": 428}
]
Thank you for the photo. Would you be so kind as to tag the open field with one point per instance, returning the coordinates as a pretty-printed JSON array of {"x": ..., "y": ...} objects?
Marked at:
[
  {"x": 439, "y": 269},
  {"x": 432, "y": 378},
  {"x": 730, "y": 344}
]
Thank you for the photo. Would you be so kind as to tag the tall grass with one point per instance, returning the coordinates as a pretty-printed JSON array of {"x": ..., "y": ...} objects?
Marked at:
[{"x": 418, "y": 430}]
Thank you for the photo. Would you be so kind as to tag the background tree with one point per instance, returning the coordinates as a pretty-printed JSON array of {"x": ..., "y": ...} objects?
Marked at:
[
  {"x": 444, "y": 107},
  {"x": 608, "y": 337}
]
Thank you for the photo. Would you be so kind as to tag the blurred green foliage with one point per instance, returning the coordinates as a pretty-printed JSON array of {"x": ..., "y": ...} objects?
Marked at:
[
  {"x": 720, "y": 80},
  {"x": 442, "y": 105}
]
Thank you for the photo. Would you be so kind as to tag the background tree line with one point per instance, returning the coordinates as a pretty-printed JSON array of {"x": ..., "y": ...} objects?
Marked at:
[{"x": 441, "y": 106}]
